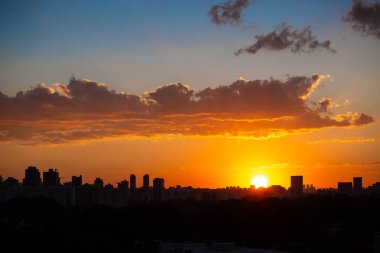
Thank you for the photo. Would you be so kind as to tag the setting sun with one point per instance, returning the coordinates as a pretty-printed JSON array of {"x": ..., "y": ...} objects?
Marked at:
[{"x": 260, "y": 181}]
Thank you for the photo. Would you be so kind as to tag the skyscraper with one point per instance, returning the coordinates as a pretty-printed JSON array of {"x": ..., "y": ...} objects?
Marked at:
[
  {"x": 32, "y": 177},
  {"x": 358, "y": 184},
  {"x": 296, "y": 186},
  {"x": 132, "y": 180},
  {"x": 158, "y": 189},
  {"x": 51, "y": 178},
  {"x": 146, "y": 181}
]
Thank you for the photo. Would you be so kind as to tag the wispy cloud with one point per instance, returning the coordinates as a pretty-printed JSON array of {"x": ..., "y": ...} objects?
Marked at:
[
  {"x": 343, "y": 140},
  {"x": 366, "y": 163},
  {"x": 88, "y": 110},
  {"x": 286, "y": 37},
  {"x": 273, "y": 166},
  {"x": 229, "y": 12}
]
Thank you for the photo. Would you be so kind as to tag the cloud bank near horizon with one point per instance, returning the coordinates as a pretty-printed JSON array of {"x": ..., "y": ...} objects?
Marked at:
[{"x": 85, "y": 110}]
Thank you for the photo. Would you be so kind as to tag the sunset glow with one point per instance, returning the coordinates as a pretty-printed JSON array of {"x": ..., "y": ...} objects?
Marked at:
[
  {"x": 260, "y": 181},
  {"x": 190, "y": 126}
]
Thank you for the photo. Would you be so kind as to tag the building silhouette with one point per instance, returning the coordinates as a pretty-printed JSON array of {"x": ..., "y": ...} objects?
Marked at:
[
  {"x": 75, "y": 193},
  {"x": 123, "y": 185},
  {"x": 309, "y": 189},
  {"x": 146, "y": 181},
  {"x": 158, "y": 189},
  {"x": 296, "y": 186},
  {"x": 10, "y": 183},
  {"x": 276, "y": 191},
  {"x": 375, "y": 188},
  {"x": 132, "y": 180},
  {"x": 98, "y": 182},
  {"x": 345, "y": 187},
  {"x": 51, "y": 178},
  {"x": 32, "y": 177},
  {"x": 76, "y": 181},
  {"x": 358, "y": 184}
]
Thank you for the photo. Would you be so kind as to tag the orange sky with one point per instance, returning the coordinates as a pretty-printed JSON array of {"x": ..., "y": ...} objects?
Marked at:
[{"x": 203, "y": 162}]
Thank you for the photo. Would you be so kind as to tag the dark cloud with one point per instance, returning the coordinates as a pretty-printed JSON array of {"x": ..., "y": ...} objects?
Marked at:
[
  {"x": 286, "y": 37},
  {"x": 325, "y": 103},
  {"x": 229, "y": 12},
  {"x": 363, "y": 119},
  {"x": 364, "y": 17},
  {"x": 88, "y": 110},
  {"x": 172, "y": 98}
]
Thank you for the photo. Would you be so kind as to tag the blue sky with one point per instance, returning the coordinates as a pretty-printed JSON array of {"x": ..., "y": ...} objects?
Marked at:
[{"x": 135, "y": 45}]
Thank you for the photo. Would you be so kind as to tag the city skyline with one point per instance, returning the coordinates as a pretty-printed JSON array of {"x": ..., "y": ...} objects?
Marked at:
[
  {"x": 201, "y": 93},
  {"x": 75, "y": 192},
  {"x": 34, "y": 177}
]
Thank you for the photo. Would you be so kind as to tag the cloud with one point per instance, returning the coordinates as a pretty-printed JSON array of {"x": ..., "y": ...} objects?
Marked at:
[
  {"x": 367, "y": 163},
  {"x": 364, "y": 18},
  {"x": 172, "y": 98},
  {"x": 85, "y": 110},
  {"x": 229, "y": 12},
  {"x": 343, "y": 140},
  {"x": 346, "y": 102},
  {"x": 363, "y": 119},
  {"x": 325, "y": 103},
  {"x": 286, "y": 37},
  {"x": 357, "y": 119}
]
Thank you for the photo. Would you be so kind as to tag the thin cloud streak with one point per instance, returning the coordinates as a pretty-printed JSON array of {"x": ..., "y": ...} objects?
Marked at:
[{"x": 344, "y": 140}]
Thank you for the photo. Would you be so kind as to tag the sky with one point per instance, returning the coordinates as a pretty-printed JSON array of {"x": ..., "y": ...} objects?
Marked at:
[{"x": 203, "y": 93}]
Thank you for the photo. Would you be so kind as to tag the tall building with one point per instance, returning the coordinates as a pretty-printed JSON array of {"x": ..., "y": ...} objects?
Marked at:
[
  {"x": 296, "y": 186},
  {"x": 146, "y": 181},
  {"x": 51, "y": 178},
  {"x": 358, "y": 184},
  {"x": 345, "y": 187},
  {"x": 32, "y": 177},
  {"x": 76, "y": 181},
  {"x": 158, "y": 189},
  {"x": 98, "y": 182},
  {"x": 132, "y": 180}
]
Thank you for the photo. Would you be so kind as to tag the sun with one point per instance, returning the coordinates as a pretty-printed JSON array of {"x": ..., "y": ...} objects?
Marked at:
[{"x": 260, "y": 181}]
